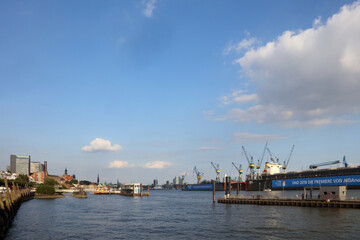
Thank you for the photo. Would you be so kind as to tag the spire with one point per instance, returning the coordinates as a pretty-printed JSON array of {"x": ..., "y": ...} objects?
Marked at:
[
  {"x": 98, "y": 180},
  {"x": 65, "y": 171}
]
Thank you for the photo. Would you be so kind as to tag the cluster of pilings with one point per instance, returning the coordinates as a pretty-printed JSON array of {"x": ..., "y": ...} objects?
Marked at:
[{"x": 10, "y": 205}]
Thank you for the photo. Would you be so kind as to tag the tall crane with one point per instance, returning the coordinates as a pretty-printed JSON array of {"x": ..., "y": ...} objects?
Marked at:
[
  {"x": 314, "y": 166},
  {"x": 183, "y": 178},
  {"x": 240, "y": 171},
  {"x": 260, "y": 160},
  {"x": 198, "y": 174},
  {"x": 217, "y": 170},
  {"x": 345, "y": 162},
  {"x": 288, "y": 159},
  {"x": 250, "y": 161},
  {"x": 272, "y": 156}
]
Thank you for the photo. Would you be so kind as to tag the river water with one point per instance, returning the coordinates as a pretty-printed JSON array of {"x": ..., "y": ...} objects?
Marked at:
[{"x": 175, "y": 214}]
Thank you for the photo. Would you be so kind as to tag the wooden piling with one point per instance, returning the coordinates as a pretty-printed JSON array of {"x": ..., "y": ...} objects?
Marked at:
[
  {"x": 237, "y": 189},
  {"x": 141, "y": 189},
  {"x": 133, "y": 190},
  {"x": 2, "y": 206},
  {"x": 214, "y": 192}
]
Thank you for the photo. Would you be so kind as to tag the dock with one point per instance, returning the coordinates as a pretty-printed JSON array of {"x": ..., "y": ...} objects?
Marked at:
[{"x": 292, "y": 202}]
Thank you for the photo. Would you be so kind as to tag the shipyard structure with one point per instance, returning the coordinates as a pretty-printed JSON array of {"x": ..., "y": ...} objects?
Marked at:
[{"x": 275, "y": 177}]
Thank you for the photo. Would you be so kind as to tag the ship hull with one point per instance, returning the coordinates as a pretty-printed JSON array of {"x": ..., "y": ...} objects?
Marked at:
[{"x": 349, "y": 177}]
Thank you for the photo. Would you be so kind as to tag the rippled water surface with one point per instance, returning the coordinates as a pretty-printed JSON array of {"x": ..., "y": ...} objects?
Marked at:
[{"x": 177, "y": 215}]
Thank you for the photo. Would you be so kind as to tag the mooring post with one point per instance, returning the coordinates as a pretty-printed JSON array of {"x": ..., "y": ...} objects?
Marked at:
[
  {"x": 133, "y": 190},
  {"x": 141, "y": 189},
  {"x": 214, "y": 192},
  {"x": 148, "y": 190},
  {"x": 2, "y": 206},
  {"x": 237, "y": 189}
]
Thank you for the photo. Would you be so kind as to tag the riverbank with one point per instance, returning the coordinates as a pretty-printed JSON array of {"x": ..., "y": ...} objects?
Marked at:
[
  {"x": 10, "y": 205},
  {"x": 48, "y": 196}
]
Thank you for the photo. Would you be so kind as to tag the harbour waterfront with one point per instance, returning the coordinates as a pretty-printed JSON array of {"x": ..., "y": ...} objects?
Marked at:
[{"x": 177, "y": 215}]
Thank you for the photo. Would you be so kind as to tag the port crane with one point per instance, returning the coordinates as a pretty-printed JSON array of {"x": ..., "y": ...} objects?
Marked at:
[
  {"x": 217, "y": 170},
  {"x": 345, "y": 162},
  {"x": 183, "y": 178},
  {"x": 240, "y": 171},
  {"x": 314, "y": 166},
  {"x": 272, "y": 159},
  {"x": 286, "y": 163},
  {"x": 260, "y": 160},
  {"x": 250, "y": 161},
  {"x": 198, "y": 174}
]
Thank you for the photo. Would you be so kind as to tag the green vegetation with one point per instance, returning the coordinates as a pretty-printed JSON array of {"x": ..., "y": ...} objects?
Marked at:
[
  {"x": 85, "y": 182},
  {"x": 45, "y": 189},
  {"x": 50, "y": 181}
]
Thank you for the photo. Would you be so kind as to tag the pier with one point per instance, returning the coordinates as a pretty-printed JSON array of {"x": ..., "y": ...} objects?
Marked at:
[
  {"x": 292, "y": 202},
  {"x": 10, "y": 204}
]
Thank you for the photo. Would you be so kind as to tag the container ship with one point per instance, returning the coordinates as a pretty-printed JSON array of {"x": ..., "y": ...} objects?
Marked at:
[{"x": 274, "y": 177}]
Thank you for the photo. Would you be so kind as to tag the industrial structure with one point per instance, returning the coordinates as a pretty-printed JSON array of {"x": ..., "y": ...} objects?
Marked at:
[
  {"x": 198, "y": 175},
  {"x": 217, "y": 171}
]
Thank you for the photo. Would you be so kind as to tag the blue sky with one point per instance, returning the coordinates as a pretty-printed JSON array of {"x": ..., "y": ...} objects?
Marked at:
[{"x": 137, "y": 90}]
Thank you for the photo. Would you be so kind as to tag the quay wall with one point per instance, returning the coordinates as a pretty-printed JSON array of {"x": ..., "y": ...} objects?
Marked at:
[{"x": 10, "y": 202}]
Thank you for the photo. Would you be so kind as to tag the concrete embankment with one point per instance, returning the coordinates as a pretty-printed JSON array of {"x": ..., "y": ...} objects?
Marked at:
[{"x": 9, "y": 204}]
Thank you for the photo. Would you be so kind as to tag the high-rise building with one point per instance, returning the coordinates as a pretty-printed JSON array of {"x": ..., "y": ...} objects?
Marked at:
[
  {"x": 20, "y": 164},
  {"x": 176, "y": 180},
  {"x": 156, "y": 182},
  {"x": 35, "y": 167}
]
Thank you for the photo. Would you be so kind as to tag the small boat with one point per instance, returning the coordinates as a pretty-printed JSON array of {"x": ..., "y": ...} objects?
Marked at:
[
  {"x": 133, "y": 189},
  {"x": 101, "y": 190}
]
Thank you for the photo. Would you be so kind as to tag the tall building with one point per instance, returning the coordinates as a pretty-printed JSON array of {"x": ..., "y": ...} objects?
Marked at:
[
  {"x": 156, "y": 182},
  {"x": 20, "y": 164},
  {"x": 35, "y": 167},
  {"x": 177, "y": 180}
]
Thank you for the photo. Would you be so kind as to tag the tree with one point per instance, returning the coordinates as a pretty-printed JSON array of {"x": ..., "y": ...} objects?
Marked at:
[
  {"x": 22, "y": 180},
  {"x": 85, "y": 182},
  {"x": 50, "y": 181},
  {"x": 45, "y": 189}
]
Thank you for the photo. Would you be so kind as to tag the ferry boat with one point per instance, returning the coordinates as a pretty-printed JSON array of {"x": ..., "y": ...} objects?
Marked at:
[
  {"x": 132, "y": 188},
  {"x": 101, "y": 190}
]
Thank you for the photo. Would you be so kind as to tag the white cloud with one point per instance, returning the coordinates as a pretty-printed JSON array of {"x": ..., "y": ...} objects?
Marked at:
[
  {"x": 244, "y": 44},
  {"x": 250, "y": 137},
  {"x": 149, "y": 6},
  {"x": 308, "y": 78},
  {"x": 120, "y": 164},
  {"x": 238, "y": 96},
  {"x": 101, "y": 145},
  {"x": 158, "y": 165}
]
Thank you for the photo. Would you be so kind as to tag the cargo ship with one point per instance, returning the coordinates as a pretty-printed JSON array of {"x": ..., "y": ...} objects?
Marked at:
[{"x": 272, "y": 178}]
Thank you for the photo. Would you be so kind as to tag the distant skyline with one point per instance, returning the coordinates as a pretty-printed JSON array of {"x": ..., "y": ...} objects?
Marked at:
[{"x": 138, "y": 90}]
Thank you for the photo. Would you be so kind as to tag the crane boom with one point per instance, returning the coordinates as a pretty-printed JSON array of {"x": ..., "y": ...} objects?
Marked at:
[
  {"x": 198, "y": 174},
  {"x": 217, "y": 170},
  {"x": 314, "y": 166},
  {"x": 286, "y": 163},
  {"x": 240, "y": 171},
  {"x": 262, "y": 157},
  {"x": 250, "y": 161}
]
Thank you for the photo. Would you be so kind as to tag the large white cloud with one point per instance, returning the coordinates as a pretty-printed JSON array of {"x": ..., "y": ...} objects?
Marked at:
[
  {"x": 101, "y": 145},
  {"x": 304, "y": 78}
]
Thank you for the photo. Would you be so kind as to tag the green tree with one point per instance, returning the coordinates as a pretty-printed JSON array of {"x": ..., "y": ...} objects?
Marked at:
[
  {"x": 45, "y": 189},
  {"x": 50, "y": 181}
]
